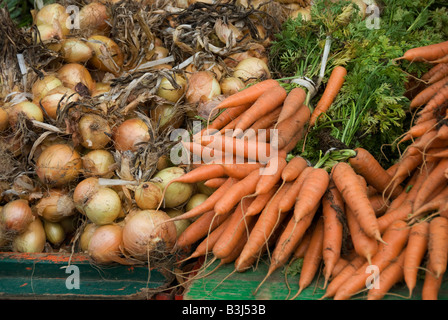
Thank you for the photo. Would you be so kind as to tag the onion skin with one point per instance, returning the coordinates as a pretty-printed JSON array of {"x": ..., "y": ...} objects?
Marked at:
[
  {"x": 93, "y": 18},
  {"x": 178, "y": 192},
  {"x": 86, "y": 236},
  {"x": 42, "y": 86},
  {"x": 195, "y": 200},
  {"x": 59, "y": 96},
  {"x": 95, "y": 131},
  {"x": 167, "y": 91},
  {"x": 50, "y": 35},
  {"x": 51, "y": 13},
  {"x": 55, "y": 206},
  {"x": 58, "y": 165},
  {"x": 167, "y": 115},
  {"x": 98, "y": 163},
  {"x": 4, "y": 120},
  {"x": 105, "y": 245},
  {"x": 73, "y": 73},
  {"x": 202, "y": 87},
  {"x": 148, "y": 196},
  {"x": 75, "y": 50},
  {"x": 29, "y": 109},
  {"x": 252, "y": 69},
  {"x": 16, "y": 216},
  {"x": 231, "y": 85},
  {"x": 107, "y": 55},
  {"x": 148, "y": 233},
  {"x": 32, "y": 240},
  {"x": 54, "y": 232},
  {"x": 130, "y": 133},
  {"x": 181, "y": 225}
]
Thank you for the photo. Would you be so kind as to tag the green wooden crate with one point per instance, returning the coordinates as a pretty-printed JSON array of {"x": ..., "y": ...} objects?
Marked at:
[
  {"x": 64, "y": 276},
  {"x": 222, "y": 284}
]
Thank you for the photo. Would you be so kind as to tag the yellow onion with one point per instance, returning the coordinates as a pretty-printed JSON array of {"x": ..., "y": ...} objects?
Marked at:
[
  {"x": 58, "y": 165},
  {"x": 163, "y": 162},
  {"x": 202, "y": 188},
  {"x": 16, "y": 216},
  {"x": 106, "y": 243},
  {"x": 167, "y": 91},
  {"x": 182, "y": 224},
  {"x": 51, "y": 13},
  {"x": 75, "y": 50},
  {"x": 4, "y": 120},
  {"x": 167, "y": 115},
  {"x": 202, "y": 87},
  {"x": 42, "y": 86},
  {"x": 148, "y": 233},
  {"x": 215, "y": 69},
  {"x": 94, "y": 131},
  {"x": 58, "y": 97},
  {"x": 252, "y": 69},
  {"x": 93, "y": 17},
  {"x": 159, "y": 52},
  {"x": 128, "y": 134},
  {"x": 101, "y": 88},
  {"x": 29, "y": 109},
  {"x": 231, "y": 85},
  {"x": 69, "y": 224},
  {"x": 32, "y": 240},
  {"x": 54, "y": 232},
  {"x": 50, "y": 35},
  {"x": 71, "y": 74},
  {"x": 102, "y": 205},
  {"x": 86, "y": 235},
  {"x": 176, "y": 193},
  {"x": 148, "y": 195},
  {"x": 55, "y": 205},
  {"x": 107, "y": 55},
  {"x": 98, "y": 163},
  {"x": 195, "y": 200}
]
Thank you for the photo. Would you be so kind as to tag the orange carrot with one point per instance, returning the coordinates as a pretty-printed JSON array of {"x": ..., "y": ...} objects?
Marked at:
[
  {"x": 334, "y": 85},
  {"x": 443, "y": 59},
  {"x": 260, "y": 202},
  {"x": 312, "y": 259},
  {"x": 208, "y": 204},
  {"x": 434, "y": 71},
  {"x": 437, "y": 100},
  {"x": 270, "y": 175},
  {"x": 200, "y": 228},
  {"x": 395, "y": 237},
  {"x": 290, "y": 197},
  {"x": 343, "y": 276},
  {"x": 355, "y": 196},
  {"x": 364, "y": 245},
  {"x": 391, "y": 275},
  {"x": 311, "y": 192},
  {"x": 215, "y": 182},
  {"x": 227, "y": 116},
  {"x": 426, "y": 53},
  {"x": 379, "y": 204},
  {"x": 293, "y": 102},
  {"x": 290, "y": 127},
  {"x": 267, "y": 221},
  {"x": 248, "y": 95},
  {"x": 419, "y": 130},
  {"x": 415, "y": 252},
  {"x": 438, "y": 246},
  {"x": 234, "y": 231},
  {"x": 299, "y": 253},
  {"x": 268, "y": 101},
  {"x": 294, "y": 141},
  {"x": 426, "y": 94},
  {"x": 436, "y": 204},
  {"x": 368, "y": 167},
  {"x": 338, "y": 267},
  {"x": 431, "y": 286},
  {"x": 240, "y": 170},
  {"x": 208, "y": 155},
  {"x": 264, "y": 122},
  {"x": 440, "y": 71},
  {"x": 294, "y": 168},
  {"x": 333, "y": 214},
  {"x": 234, "y": 194},
  {"x": 406, "y": 167}
]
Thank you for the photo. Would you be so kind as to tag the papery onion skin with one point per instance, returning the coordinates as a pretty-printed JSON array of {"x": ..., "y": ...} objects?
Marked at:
[
  {"x": 4, "y": 120},
  {"x": 148, "y": 195},
  {"x": 231, "y": 85},
  {"x": 32, "y": 240},
  {"x": 167, "y": 91},
  {"x": 55, "y": 205},
  {"x": 178, "y": 192},
  {"x": 75, "y": 50},
  {"x": 29, "y": 109},
  {"x": 130, "y": 133},
  {"x": 73, "y": 73},
  {"x": 54, "y": 232},
  {"x": 182, "y": 224},
  {"x": 16, "y": 216},
  {"x": 93, "y": 17},
  {"x": 195, "y": 200},
  {"x": 58, "y": 165},
  {"x": 167, "y": 115},
  {"x": 50, "y": 13},
  {"x": 98, "y": 163},
  {"x": 147, "y": 233},
  {"x": 252, "y": 69},
  {"x": 94, "y": 131},
  {"x": 42, "y": 86},
  {"x": 107, "y": 55},
  {"x": 105, "y": 245},
  {"x": 57, "y": 97},
  {"x": 202, "y": 86},
  {"x": 86, "y": 235}
]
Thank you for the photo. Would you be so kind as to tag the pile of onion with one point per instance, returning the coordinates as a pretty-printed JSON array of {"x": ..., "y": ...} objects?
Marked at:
[
  {"x": 56, "y": 98},
  {"x": 98, "y": 163},
  {"x": 29, "y": 109},
  {"x": 148, "y": 195},
  {"x": 107, "y": 55},
  {"x": 129, "y": 133},
  {"x": 94, "y": 131},
  {"x": 148, "y": 233},
  {"x": 72, "y": 74},
  {"x": 42, "y": 86},
  {"x": 102, "y": 205},
  {"x": 58, "y": 165}
]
